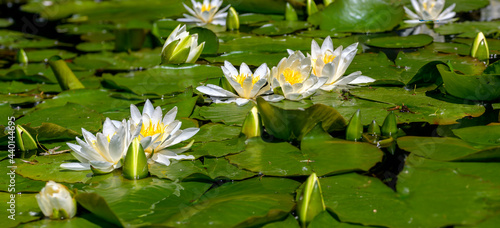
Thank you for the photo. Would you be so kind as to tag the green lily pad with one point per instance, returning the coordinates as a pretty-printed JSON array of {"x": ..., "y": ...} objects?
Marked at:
[
  {"x": 266, "y": 44},
  {"x": 4, "y": 22},
  {"x": 280, "y": 28},
  {"x": 207, "y": 36},
  {"x": 461, "y": 5},
  {"x": 420, "y": 108},
  {"x": 74, "y": 222},
  {"x": 230, "y": 114},
  {"x": 358, "y": 16},
  {"x": 138, "y": 202},
  {"x": 5, "y": 112},
  {"x": 294, "y": 124},
  {"x": 484, "y": 135},
  {"x": 212, "y": 169},
  {"x": 376, "y": 66},
  {"x": 469, "y": 28},
  {"x": 253, "y": 18},
  {"x": 289, "y": 221},
  {"x": 318, "y": 154},
  {"x": 413, "y": 41},
  {"x": 416, "y": 203},
  {"x": 44, "y": 55},
  {"x": 45, "y": 168},
  {"x": 258, "y": 6},
  {"x": 218, "y": 148},
  {"x": 24, "y": 204},
  {"x": 325, "y": 219},
  {"x": 96, "y": 46},
  {"x": 70, "y": 116},
  {"x": 145, "y": 58},
  {"x": 98, "y": 100},
  {"x": 453, "y": 48},
  {"x": 472, "y": 87},
  {"x": 493, "y": 44},
  {"x": 216, "y": 132},
  {"x": 163, "y": 80},
  {"x": 107, "y": 11},
  {"x": 251, "y": 203}
]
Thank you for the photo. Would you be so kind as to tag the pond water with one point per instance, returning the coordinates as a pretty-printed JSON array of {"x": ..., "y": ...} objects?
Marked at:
[{"x": 232, "y": 132}]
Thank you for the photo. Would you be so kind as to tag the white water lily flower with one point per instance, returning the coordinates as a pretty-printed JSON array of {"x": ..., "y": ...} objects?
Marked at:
[
  {"x": 56, "y": 201},
  {"x": 104, "y": 151},
  {"x": 293, "y": 75},
  {"x": 247, "y": 85},
  {"x": 180, "y": 47},
  {"x": 206, "y": 13},
  {"x": 332, "y": 64},
  {"x": 158, "y": 134},
  {"x": 430, "y": 10}
]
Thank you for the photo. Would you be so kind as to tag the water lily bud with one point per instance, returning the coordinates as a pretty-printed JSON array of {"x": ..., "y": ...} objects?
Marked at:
[
  {"x": 311, "y": 7},
  {"x": 135, "y": 165},
  {"x": 180, "y": 47},
  {"x": 66, "y": 78},
  {"x": 355, "y": 128},
  {"x": 327, "y": 2},
  {"x": 480, "y": 48},
  {"x": 232, "y": 19},
  {"x": 21, "y": 57},
  {"x": 390, "y": 125},
  {"x": 56, "y": 201},
  {"x": 310, "y": 202},
  {"x": 252, "y": 124},
  {"x": 374, "y": 129},
  {"x": 24, "y": 140},
  {"x": 290, "y": 13}
]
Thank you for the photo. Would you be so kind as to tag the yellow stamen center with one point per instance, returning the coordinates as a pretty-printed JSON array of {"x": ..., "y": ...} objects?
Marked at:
[
  {"x": 241, "y": 78},
  {"x": 425, "y": 5},
  {"x": 292, "y": 76},
  {"x": 328, "y": 58},
  {"x": 206, "y": 7},
  {"x": 152, "y": 129}
]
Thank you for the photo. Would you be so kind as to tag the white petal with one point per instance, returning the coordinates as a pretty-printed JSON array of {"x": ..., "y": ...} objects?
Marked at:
[
  {"x": 170, "y": 116},
  {"x": 148, "y": 108},
  {"x": 214, "y": 90},
  {"x": 135, "y": 114},
  {"x": 102, "y": 166},
  {"x": 75, "y": 166}
]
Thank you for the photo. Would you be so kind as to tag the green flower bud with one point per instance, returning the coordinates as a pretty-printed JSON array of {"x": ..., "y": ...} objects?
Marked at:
[
  {"x": 21, "y": 57},
  {"x": 232, "y": 19},
  {"x": 290, "y": 13},
  {"x": 390, "y": 126},
  {"x": 311, "y": 7},
  {"x": 355, "y": 128},
  {"x": 180, "y": 47},
  {"x": 252, "y": 125},
  {"x": 24, "y": 140},
  {"x": 135, "y": 165},
  {"x": 480, "y": 48},
  {"x": 374, "y": 129},
  {"x": 311, "y": 201},
  {"x": 66, "y": 78}
]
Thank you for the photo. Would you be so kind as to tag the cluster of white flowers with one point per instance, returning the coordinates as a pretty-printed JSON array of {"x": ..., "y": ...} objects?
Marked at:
[
  {"x": 296, "y": 76},
  {"x": 104, "y": 151}
]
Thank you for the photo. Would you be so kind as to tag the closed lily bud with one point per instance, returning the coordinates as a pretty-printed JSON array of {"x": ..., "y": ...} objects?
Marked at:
[
  {"x": 373, "y": 128},
  {"x": 56, "y": 201},
  {"x": 232, "y": 19},
  {"x": 311, "y": 7},
  {"x": 21, "y": 57},
  {"x": 66, "y": 78},
  {"x": 290, "y": 13},
  {"x": 310, "y": 202},
  {"x": 180, "y": 47},
  {"x": 327, "y": 2},
  {"x": 355, "y": 128},
  {"x": 135, "y": 165},
  {"x": 24, "y": 140},
  {"x": 480, "y": 48},
  {"x": 252, "y": 124},
  {"x": 390, "y": 125}
]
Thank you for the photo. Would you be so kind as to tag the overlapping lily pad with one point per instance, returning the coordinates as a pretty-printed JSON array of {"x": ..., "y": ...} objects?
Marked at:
[{"x": 413, "y": 41}]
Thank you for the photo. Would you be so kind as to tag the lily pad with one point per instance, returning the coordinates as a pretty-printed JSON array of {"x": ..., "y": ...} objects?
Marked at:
[
  {"x": 249, "y": 57},
  {"x": 47, "y": 168},
  {"x": 280, "y": 28},
  {"x": 24, "y": 204},
  {"x": 212, "y": 169},
  {"x": 283, "y": 159},
  {"x": 484, "y": 135},
  {"x": 367, "y": 16},
  {"x": 44, "y": 55},
  {"x": 472, "y": 87},
  {"x": 230, "y": 114},
  {"x": 413, "y": 41},
  {"x": 469, "y": 28},
  {"x": 145, "y": 58},
  {"x": 252, "y": 202},
  {"x": 163, "y": 80}
]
